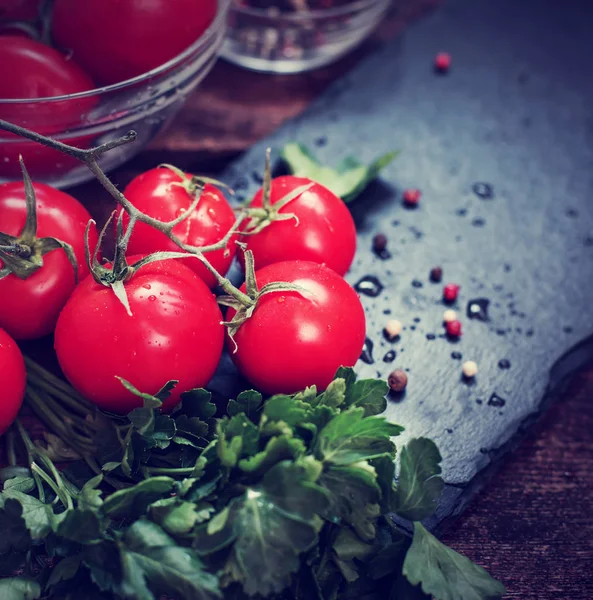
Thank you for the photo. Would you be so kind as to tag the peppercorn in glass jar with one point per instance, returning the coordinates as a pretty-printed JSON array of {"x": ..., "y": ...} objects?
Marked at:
[{"x": 291, "y": 36}]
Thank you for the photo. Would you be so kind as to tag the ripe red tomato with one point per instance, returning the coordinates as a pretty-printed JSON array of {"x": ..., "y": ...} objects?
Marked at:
[
  {"x": 213, "y": 218},
  {"x": 29, "y": 308},
  {"x": 13, "y": 378},
  {"x": 325, "y": 232},
  {"x": 293, "y": 340},
  {"x": 175, "y": 332},
  {"x": 141, "y": 34},
  {"x": 31, "y": 70}
]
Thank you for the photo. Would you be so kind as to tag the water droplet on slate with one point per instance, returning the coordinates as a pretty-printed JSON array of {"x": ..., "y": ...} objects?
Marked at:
[
  {"x": 389, "y": 356},
  {"x": 256, "y": 176},
  {"x": 500, "y": 331},
  {"x": 417, "y": 284},
  {"x": 461, "y": 212},
  {"x": 241, "y": 184},
  {"x": 431, "y": 336},
  {"x": 321, "y": 141},
  {"x": 477, "y": 308},
  {"x": 507, "y": 268},
  {"x": 367, "y": 352},
  {"x": 387, "y": 311},
  {"x": 478, "y": 401},
  {"x": 504, "y": 363},
  {"x": 478, "y": 222},
  {"x": 449, "y": 430},
  {"x": 567, "y": 329},
  {"x": 369, "y": 285},
  {"x": 496, "y": 400},
  {"x": 483, "y": 190},
  {"x": 413, "y": 327},
  {"x": 484, "y": 450},
  {"x": 529, "y": 332},
  {"x": 456, "y": 355},
  {"x": 416, "y": 319}
]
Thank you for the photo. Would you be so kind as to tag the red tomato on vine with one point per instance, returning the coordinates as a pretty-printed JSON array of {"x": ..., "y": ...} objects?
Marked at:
[
  {"x": 157, "y": 194},
  {"x": 322, "y": 231},
  {"x": 174, "y": 332},
  {"x": 115, "y": 41},
  {"x": 298, "y": 339},
  {"x": 13, "y": 378},
  {"x": 29, "y": 308}
]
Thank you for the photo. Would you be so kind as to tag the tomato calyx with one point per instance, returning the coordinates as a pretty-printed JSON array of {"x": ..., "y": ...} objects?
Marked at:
[
  {"x": 22, "y": 255},
  {"x": 245, "y": 307},
  {"x": 194, "y": 184},
  {"x": 260, "y": 218},
  {"x": 119, "y": 271}
]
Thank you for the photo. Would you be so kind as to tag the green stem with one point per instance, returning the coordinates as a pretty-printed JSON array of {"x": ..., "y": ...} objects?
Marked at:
[
  {"x": 29, "y": 446},
  {"x": 41, "y": 407},
  {"x": 167, "y": 471},
  {"x": 58, "y": 383},
  {"x": 64, "y": 497}
]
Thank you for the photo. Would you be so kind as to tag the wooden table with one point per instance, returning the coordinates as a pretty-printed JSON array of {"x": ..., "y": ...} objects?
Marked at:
[{"x": 532, "y": 526}]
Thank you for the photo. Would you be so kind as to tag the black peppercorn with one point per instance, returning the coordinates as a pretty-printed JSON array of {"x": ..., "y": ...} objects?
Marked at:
[
  {"x": 436, "y": 274},
  {"x": 379, "y": 243}
]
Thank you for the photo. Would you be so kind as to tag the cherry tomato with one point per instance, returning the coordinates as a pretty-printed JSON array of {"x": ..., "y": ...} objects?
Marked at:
[
  {"x": 293, "y": 340},
  {"x": 31, "y": 70},
  {"x": 13, "y": 378},
  {"x": 116, "y": 40},
  {"x": 175, "y": 332},
  {"x": 324, "y": 233},
  {"x": 29, "y": 308},
  {"x": 213, "y": 218}
]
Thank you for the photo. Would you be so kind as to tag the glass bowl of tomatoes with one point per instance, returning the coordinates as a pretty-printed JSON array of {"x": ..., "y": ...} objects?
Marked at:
[
  {"x": 292, "y": 36},
  {"x": 100, "y": 78}
]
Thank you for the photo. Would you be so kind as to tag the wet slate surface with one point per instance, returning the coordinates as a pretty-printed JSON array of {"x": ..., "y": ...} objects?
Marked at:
[{"x": 513, "y": 113}]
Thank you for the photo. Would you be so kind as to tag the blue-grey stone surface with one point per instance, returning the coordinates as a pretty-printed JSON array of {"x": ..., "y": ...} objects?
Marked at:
[{"x": 514, "y": 112}]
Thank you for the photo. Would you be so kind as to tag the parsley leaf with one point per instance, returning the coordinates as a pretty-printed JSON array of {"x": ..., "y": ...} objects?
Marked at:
[
  {"x": 347, "y": 181},
  {"x": 15, "y": 535},
  {"x": 419, "y": 485},
  {"x": 445, "y": 574},
  {"x": 19, "y": 588},
  {"x": 247, "y": 402},
  {"x": 134, "y": 501},
  {"x": 35, "y": 513},
  {"x": 354, "y": 498},
  {"x": 268, "y": 528},
  {"x": 350, "y": 437},
  {"x": 152, "y": 562}
]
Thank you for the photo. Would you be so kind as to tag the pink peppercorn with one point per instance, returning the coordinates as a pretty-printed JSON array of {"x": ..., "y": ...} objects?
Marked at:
[
  {"x": 442, "y": 62},
  {"x": 453, "y": 328},
  {"x": 450, "y": 292},
  {"x": 412, "y": 196}
]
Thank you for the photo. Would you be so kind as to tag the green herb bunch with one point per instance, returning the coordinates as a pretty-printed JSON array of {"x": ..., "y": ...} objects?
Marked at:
[{"x": 289, "y": 498}]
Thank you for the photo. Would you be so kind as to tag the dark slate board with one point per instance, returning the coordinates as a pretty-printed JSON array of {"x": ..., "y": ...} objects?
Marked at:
[{"x": 515, "y": 112}]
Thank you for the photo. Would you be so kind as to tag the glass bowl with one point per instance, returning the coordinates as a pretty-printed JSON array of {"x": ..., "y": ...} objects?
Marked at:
[
  {"x": 145, "y": 103},
  {"x": 274, "y": 42}
]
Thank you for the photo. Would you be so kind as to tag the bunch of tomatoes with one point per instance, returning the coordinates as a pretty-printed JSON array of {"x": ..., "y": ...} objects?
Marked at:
[
  {"x": 78, "y": 46},
  {"x": 297, "y": 333}
]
